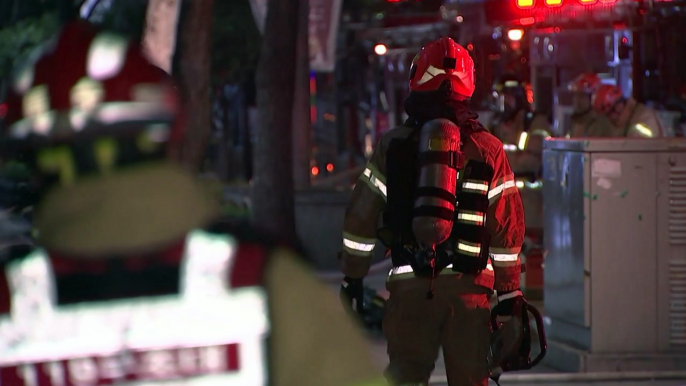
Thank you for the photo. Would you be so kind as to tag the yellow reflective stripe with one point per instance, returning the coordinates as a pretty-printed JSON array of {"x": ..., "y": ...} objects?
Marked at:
[
  {"x": 467, "y": 247},
  {"x": 375, "y": 180},
  {"x": 502, "y": 188},
  {"x": 499, "y": 257},
  {"x": 504, "y": 257},
  {"x": 477, "y": 218},
  {"x": 359, "y": 239},
  {"x": 523, "y": 139},
  {"x": 405, "y": 269},
  {"x": 400, "y": 270},
  {"x": 375, "y": 172},
  {"x": 359, "y": 246},
  {"x": 475, "y": 185},
  {"x": 355, "y": 252}
]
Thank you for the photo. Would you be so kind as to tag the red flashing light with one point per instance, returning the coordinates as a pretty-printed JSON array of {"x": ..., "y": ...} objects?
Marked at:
[
  {"x": 313, "y": 85},
  {"x": 315, "y": 170},
  {"x": 329, "y": 167},
  {"x": 526, "y": 4},
  {"x": 470, "y": 47},
  {"x": 527, "y": 21}
]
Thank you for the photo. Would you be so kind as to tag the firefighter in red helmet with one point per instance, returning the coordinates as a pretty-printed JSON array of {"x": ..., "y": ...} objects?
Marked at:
[
  {"x": 137, "y": 277},
  {"x": 440, "y": 289},
  {"x": 585, "y": 121},
  {"x": 631, "y": 118}
]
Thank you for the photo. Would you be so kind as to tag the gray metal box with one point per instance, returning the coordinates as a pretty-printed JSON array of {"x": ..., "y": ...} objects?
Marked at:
[{"x": 615, "y": 266}]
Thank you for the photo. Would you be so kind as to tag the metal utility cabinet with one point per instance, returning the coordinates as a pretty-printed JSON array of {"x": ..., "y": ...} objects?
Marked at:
[{"x": 615, "y": 268}]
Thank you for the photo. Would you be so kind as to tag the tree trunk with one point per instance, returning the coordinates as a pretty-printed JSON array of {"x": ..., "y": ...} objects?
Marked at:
[
  {"x": 194, "y": 68},
  {"x": 302, "y": 129},
  {"x": 272, "y": 191}
]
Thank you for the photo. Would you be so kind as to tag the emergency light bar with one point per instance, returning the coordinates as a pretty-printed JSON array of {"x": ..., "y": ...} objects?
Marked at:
[{"x": 528, "y": 4}]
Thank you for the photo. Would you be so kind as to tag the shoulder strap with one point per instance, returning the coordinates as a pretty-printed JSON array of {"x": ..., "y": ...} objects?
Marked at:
[{"x": 401, "y": 158}]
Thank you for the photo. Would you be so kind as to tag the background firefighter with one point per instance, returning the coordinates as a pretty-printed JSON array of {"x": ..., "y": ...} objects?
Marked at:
[
  {"x": 585, "y": 121},
  {"x": 514, "y": 114},
  {"x": 122, "y": 226},
  {"x": 631, "y": 118},
  {"x": 456, "y": 318},
  {"x": 516, "y": 124}
]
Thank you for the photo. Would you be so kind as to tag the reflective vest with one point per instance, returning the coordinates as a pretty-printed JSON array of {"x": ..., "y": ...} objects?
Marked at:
[{"x": 212, "y": 332}]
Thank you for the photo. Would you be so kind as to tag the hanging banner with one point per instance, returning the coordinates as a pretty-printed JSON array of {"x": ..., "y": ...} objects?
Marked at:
[
  {"x": 323, "y": 28},
  {"x": 159, "y": 37}
]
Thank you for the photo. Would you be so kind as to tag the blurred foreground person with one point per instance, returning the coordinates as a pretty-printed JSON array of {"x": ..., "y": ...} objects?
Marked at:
[
  {"x": 439, "y": 287},
  {"x": 586, "y": 122},
  {"x": 137, "y": 279},
  {"x": 632, "y": 118}
]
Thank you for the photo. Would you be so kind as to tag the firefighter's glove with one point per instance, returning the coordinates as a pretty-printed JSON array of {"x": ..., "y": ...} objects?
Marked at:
[
  {"x": 507, "y": 301},
  {"x": 352, "y": 292}
]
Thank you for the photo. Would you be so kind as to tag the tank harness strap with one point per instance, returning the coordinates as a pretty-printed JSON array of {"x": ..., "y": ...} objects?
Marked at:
[
  {"x": 451, "y": 158},
  {"x": 434, "y": 211}
]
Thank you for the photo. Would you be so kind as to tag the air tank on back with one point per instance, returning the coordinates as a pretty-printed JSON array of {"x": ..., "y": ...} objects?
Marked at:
[{"x": 440, "y": 160}]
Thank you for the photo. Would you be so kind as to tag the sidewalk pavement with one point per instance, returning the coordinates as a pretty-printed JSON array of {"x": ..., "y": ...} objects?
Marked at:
[{"x": 540, "y": 375}]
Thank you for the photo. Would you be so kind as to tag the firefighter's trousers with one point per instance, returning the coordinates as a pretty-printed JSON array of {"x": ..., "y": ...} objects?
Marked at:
[{"x": 456, "y": 319}]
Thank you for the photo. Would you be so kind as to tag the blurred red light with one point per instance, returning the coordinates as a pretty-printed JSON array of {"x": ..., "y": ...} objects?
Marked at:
[
  {"x": 527, "y": 21},
  {"x": 315, "y": 170},
  {"x": 625, "y": 40},
  {"x": 470, "y": 46},
  {"x": 525, "y": 3},
  {"x": 329, "y": 167}
]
